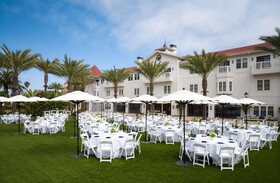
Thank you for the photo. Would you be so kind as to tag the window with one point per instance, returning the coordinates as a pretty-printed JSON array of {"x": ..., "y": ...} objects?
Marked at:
[
  {"x": 263, "y": 84},
  {"x": 167, "y": 89},
  {"x": 266, "y": 84},
  {"x": 130, "y": 78},
  {"x": 256, "y": 111},
  {"x": 270, "y": 111},
  {"x": 194, "y": 88},
  {"x": 136, "y": 91},
  {"x": 238, "y": 63},
  {"x": 222, "y": 86},
  {"x": 168, "y": 70},
  {"x": 244, "y": 63},
  {"x": 259, "y": 84},
  {"x": 263, "y": 111},
  {"x": 241, "y": 63},
  {"x": 263, "y": 58},
  {"x": 120, "y": 92},
  {"x": 136, "y": 76},
  {"x": 230, "y": 86},
  {"x": 148, "y": 90},
  {"x": 102, "y": 80},
  {"x": 107, "y": 92},
  {"x": 225, "y": 63},
  {"x": 97, "y": 82}
]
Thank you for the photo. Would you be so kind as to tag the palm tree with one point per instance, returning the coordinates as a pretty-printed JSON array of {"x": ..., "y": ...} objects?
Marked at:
[
  {"x": 83, "y": 79},
  {"x": 151, "y": 70},
  {"x": 17, "y": 62},
  {"x": 47, "y": 67},
  {"x": 69, "y": 70},
  {"x": 115, "y": 76},
  {"x": 6, "y": 78},
  {"x": 203, "y": 65},
  {"x": 56, "y": 86},
  {"x": 274, "y": 41}
]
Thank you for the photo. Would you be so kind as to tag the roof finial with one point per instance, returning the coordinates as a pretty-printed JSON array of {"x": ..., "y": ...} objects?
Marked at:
[{"x": 164, "y": 42}]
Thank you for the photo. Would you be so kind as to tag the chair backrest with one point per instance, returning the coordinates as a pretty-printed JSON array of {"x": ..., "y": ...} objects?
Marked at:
[
  {"x": 254, "y": 137},
  {"x": 106, "y": 143},
  {"x": 200, "y": 147},
  {"x": 169, "y": 132},
  {"x": 84, "y": 136},
  {"x": 233, "y": 135},
  {"x": 129, "y": 143},
  {"x": 227, "y": 149},
  {"x": 138, "y": 139}
]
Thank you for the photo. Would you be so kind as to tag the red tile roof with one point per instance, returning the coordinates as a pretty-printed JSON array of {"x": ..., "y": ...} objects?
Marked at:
[
  {"x": 95, "y": 71},
  {"x": 243, "y": 49},
  {"x": 130, "y": 68}
]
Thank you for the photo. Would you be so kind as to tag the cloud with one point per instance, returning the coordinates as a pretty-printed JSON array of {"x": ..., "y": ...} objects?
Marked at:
[{"x": 192, "y": 25}]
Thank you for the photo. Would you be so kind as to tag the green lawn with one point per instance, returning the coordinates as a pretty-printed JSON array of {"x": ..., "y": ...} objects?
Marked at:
[{"x": 48, "y": 158}]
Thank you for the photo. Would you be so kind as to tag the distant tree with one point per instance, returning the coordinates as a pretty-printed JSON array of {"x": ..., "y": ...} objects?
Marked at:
[
  {"x": 56, "y": 86},
  {"x": 115, "y": 76},
  {"x": 48, "y": 67},
  {"x": 203, "y": 65},
  {"x": 274, "y": 41},
  {"x": 70, "y": 70},
  {"x": 17, "y": 62},
  {"x": 6, "y": 78},
  {"x": 151, "y": 70},
  {"x": 83, "y": 79}
]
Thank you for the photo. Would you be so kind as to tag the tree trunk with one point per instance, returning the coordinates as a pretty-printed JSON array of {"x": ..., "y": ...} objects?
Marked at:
[
  {"x": 14, "y": 91},
  {"x": 204, "y": 91},
  {"x": 6, "y": 90},
  {"x": 46, "y": 79},
  {"x": 151, "y": 88},
  {"x": 115, "y": 91}
]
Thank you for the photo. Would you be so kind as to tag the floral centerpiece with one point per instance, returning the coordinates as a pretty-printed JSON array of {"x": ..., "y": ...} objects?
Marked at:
[
  {"x": 45, "y": 118},
  {"x": 196, "y": 119},
  {"x": 114, "y": 130},
  {"x": 259, "y": 123},
  {"x": 98, "y": 121},
  {"x": 212, "y": 134},
  {"x": 167, "y": 123},
  {"x": 241, "y": 126}
]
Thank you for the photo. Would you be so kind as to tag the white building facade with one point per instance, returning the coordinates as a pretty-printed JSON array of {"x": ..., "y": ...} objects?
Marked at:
[{"x": 246, "y": 70}]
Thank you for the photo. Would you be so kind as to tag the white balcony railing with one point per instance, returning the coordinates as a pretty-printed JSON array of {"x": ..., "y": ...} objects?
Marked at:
[
  {"x": 266, "y": 67},
  {"x": 224, "y": 69}
]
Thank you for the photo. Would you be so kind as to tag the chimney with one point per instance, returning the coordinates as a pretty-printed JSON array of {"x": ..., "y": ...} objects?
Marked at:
[
  {"x": 139, "y": 59},
  {"x": 173, "y": 48}
]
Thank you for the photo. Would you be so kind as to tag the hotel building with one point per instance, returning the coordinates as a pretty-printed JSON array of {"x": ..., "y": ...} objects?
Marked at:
[{"x": 246, "y": 70}]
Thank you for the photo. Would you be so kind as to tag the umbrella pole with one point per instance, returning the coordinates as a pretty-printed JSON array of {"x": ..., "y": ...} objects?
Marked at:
[
  {"x": 77, "y": 122},
  {"x": 223, "y": 105},
  {"x": 123, "y": 114},
  {"x": 146, "y": 121},
  {"x": 18, "y": 117},
  {"x": 184, "y": 136}
]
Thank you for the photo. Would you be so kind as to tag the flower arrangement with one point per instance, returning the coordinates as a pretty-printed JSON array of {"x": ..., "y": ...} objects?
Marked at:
[
  {"x": 114, "y": 130},
  {"x": 167, "y": 123},
  {"x": 241, "y": 126},
  {"x": 259, "y": 123},
  {"x": 196, "y": 119},
  {"x": 98, "y": 121},
  {"x": 212, "y": 134},
  {"x": 45, "y": 118}
]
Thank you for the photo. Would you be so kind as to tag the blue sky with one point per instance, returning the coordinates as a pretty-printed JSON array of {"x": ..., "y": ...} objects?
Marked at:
[{"x": 114, "y": 32}]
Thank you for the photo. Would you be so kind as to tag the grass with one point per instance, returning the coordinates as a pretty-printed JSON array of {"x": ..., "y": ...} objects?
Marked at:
[{"x": 48, "y": 158}]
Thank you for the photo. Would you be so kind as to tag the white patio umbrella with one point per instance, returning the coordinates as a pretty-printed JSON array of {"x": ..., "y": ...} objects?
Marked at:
[
  {"x": 18, "y": 99},
  {"x": 77, "y": 97},
  {"x": 147, "y": 99},
  {"x": 123, "y": 100},
  {"x": 246, "y": 102},
  {"x": 39, "y": 99},
  {"x": 225, "y": 100},
  {"x": 184, "y": 97}
]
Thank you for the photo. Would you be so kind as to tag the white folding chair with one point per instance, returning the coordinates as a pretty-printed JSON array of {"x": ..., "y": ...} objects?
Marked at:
[
  {"x": 181, "y": 151},
  {"x": 138, "y": 143},
  {"x": 128, "y": 149},
  {"x": 169, "y": 136},
  {"x": 106, "y": 151},
  {"x": 233, "y": 135},
  {"x": 254, "y": 140},
  {"x": 200, "y": 150},
  {"x": 36, "y": 128},
  {"x": 227, "y": 157},
  {"x": 243, "y": 153}
]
